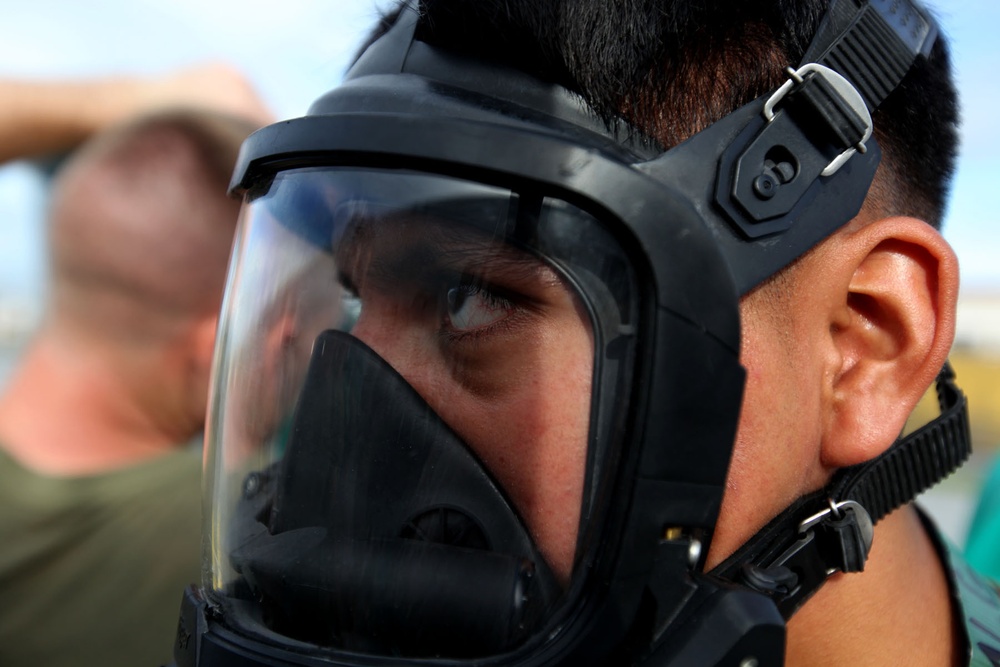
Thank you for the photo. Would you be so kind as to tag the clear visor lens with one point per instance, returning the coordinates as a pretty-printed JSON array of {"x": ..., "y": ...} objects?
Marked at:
[{"x": 413, "y": 411}]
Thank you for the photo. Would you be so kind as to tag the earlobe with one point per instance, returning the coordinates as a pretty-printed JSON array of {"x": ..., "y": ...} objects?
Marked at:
[{"x": 892, "y": 333}]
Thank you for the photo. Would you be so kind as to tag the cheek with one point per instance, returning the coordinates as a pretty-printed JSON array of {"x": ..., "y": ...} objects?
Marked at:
[
  {"x": 521, "y": 404},
  {"x": 775, "y": 455},
  {"x": 532, "y": 435}
]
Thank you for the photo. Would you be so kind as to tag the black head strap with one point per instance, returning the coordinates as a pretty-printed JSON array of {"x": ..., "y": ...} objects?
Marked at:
[
  {"x": 872, "y": 45},
  {"x": 881, "y": 40}
]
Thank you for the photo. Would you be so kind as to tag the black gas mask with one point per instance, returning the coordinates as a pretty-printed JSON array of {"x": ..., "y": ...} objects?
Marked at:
[{"x": 477, "y": 384}]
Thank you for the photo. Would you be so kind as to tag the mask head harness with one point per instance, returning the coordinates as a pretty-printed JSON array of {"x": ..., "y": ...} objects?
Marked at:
[{"x": 439, "y": 569}]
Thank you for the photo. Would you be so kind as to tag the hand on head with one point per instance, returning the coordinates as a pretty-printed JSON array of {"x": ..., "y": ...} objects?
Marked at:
[
  {"x": 42, "y": 117},
  {"x": 215, "y": 86}
]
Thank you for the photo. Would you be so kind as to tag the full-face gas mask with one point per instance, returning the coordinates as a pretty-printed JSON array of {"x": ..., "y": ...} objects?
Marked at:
[{"x": 477, "y": 382}]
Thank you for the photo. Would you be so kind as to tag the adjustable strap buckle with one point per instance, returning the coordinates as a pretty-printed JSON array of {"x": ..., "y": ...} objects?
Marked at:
[
  {"x": 838, "y": 538},
  {"x": 834, "y": 102},
  {"x": 850, "y": 531},
  {"x": 809, "y": 128}
]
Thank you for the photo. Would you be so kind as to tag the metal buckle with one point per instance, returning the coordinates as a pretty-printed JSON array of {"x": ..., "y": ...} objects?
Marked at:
[
  {"x": 863, "y": 521},
  {"x": 846, "y": 91}
]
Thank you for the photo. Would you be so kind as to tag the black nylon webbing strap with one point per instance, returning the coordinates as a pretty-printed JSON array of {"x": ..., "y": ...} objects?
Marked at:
[
  {"x": 872, "y": 44},
  {"x": 789, "y": 564}
]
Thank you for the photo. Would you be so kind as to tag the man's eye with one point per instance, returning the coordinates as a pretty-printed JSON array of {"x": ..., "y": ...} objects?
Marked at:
[{"x": 471, "y": 307}]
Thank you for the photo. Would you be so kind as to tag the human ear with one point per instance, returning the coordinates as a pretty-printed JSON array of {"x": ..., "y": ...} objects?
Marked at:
[{"x": 891, "y": 332}]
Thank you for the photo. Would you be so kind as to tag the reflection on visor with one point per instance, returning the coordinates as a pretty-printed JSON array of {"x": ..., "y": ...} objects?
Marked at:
[
  {"x": 428, "y": 450},
  {"x": 319, "y": 211}
]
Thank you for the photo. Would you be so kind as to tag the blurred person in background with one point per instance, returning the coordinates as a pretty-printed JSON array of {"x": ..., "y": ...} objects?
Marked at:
[{"x": 101, "y": 420}]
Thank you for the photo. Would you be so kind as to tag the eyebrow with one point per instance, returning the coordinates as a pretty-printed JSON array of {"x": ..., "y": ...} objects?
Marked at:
[{"x": 440, "y": 248}]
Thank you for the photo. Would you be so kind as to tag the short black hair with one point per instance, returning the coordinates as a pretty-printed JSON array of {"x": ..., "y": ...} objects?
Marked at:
[{"x": 672, "y": 67}]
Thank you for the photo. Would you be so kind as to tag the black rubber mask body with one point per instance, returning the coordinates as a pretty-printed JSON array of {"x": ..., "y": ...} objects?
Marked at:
[{"x": 384, "y": 533}]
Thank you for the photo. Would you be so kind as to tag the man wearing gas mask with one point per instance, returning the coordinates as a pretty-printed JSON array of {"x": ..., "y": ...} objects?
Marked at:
[{"x": 631, "y": 304}]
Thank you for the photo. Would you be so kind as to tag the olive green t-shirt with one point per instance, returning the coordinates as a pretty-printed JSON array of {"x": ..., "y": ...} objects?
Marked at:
[{"x": 92, "y": 569}]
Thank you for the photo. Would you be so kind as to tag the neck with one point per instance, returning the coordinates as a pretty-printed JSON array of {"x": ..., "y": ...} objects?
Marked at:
[
  {"x": 68, "y": 410},
  {"x": 896, "y": 612}
]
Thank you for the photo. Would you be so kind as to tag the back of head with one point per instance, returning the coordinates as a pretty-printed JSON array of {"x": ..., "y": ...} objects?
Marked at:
[{"x": 140, "y": 226}]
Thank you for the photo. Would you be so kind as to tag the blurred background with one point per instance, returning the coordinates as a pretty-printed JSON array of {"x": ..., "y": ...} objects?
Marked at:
[{"x": 297, "y": 49}]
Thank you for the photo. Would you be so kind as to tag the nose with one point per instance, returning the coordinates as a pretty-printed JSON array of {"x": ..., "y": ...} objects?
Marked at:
[
  {"x": 402, "y": 344},
  {"x": 382, "y": 326}
]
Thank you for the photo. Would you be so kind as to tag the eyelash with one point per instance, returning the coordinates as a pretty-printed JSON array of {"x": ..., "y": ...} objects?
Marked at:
[
  {"x": 470, "y": 288},
  {"x": 441, "y": 286}
]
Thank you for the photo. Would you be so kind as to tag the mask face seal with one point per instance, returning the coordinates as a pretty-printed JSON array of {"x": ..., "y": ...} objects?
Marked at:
[{"x": 367, "y": 497}]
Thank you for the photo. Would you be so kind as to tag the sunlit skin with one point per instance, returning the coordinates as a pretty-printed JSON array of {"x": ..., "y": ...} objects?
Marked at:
[{"x": 497, "y": 345}]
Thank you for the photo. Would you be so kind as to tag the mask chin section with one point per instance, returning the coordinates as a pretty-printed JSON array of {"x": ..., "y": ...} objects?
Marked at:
[{"x": 380, "y": 531}]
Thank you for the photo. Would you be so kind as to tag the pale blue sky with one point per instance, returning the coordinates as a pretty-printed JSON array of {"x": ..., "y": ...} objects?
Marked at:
[{"x": 294, "y": 50}]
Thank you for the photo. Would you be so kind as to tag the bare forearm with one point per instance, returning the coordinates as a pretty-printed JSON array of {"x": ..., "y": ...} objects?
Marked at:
[{"x": 41, "y": 117}]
